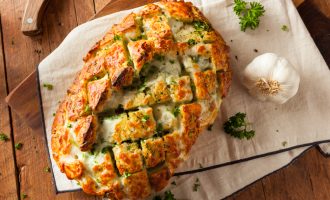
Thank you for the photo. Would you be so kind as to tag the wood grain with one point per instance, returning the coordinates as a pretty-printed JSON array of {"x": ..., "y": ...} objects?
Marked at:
[
  {"x": 32, "y": 17},
  {"x": 8, "y": 185}
]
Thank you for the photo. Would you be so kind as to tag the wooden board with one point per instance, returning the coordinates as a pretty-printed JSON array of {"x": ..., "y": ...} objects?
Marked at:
[{"x": 23, "y": 170}]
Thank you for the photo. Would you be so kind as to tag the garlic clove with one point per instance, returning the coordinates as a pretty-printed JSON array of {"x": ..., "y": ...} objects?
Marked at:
[{"x": 271, "y": 78}]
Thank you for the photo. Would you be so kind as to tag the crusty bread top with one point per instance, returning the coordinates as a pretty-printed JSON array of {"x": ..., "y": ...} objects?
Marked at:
[{"x": 144, "y": 94}]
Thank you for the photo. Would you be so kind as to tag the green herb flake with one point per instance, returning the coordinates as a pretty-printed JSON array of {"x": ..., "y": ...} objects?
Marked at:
[
  {"x": 248, "y": 16},
  {"x": 48, "y": 86},
  {"x": 18, "y": 146},
  {"x": 195, "y": 59},
  {"x": 191, "y": 42},
  {"x": 116, "y": 37},
  {"x": 173, "y": 183},
  {"x": 130, "y": 62},
  {"x": 69, "y": 126},
  {"x": 47, "y": 169},
  {"x": 145, "y": 118},
  {"x": 196, "y": 185},
  {"x": 4, "y": 137},
  {"x": 106, "y": 149},
  {"x": 284, "y": 143},
  {"x": 201, "y": 26},
  {"x": 87, "y": 109},
  {"x": 285, "y": 28},
  {"x": 168, "y": 195},
  {"x": 176, "y": 111},
  {"x": 54, "y": 114},
  {"x": 236, "y": 126},
  {"x": 172, "y": 61},
  {"x": 24, "y": 196},
  {"x": 126, "y": 174}
]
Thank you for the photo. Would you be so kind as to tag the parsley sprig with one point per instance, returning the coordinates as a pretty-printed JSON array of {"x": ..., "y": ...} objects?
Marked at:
[
  {"x": 236, "y": 126},
  {"x": 249, "y": 16}
]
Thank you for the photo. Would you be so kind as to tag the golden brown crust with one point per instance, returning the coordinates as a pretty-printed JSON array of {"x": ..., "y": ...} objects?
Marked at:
[{"x": 105, "y": 133}]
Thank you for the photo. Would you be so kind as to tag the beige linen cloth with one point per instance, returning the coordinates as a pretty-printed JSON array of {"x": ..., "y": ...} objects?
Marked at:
[{"x": 217, "y": 159}]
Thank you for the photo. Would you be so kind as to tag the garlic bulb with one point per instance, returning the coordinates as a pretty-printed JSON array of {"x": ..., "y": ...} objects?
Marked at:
[{"x": 271, "y": 78}]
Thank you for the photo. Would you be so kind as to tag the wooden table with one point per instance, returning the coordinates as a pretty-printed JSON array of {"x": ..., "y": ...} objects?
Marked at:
[{"x": 23, "y": 171}]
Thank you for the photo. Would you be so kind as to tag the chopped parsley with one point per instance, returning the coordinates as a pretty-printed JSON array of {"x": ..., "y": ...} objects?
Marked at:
[
  {"x": 173, "y": 183},
  {"x": 116, "y": 37},
  {"x": 236, "y": 126},
  {"x": 192, "y": 42},
  {"x": 195, "y": 59},
  {"x": 87, "y": 109},
  {"x": 69, "y": 125},
  {"x": 23, "y": 196},
  {"x": 168, "y": 195},
  {"x": 197, "y": 184},
  {"x": 248, "y": 16},
  {"x": 46, "y": 169},
  {"x": 54, "y": 114},
  {"x": 18, "y": 146},
  {"x": 284, "y": 143},
  {"x": 145, "y": 118},
  {"x": 4, "y": 137},
  {"x": 285, "y": 28},
  {"x": 126, "y": 174},
  {"x": 48, "y": 86},
  {"x": 130, "y": 62},
  {"x": 159, "y": 129},
  {"x": 172, "y": 61},
  {"x": 201, "y": 26},
  {"x": 176, "y": 111}
]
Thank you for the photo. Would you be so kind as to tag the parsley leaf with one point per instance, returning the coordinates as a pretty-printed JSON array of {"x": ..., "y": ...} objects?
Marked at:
[
  {"x": 169, "y": 195},
  {"x": 18, "y": 146},
  {"x": 116, "y": 37},
  {"x": 201, "y": 26},
  {"x": 285, "y": 28},
  {"x": 48, "y": 86},
  {"x": 23, "y": 196},
  {"x": 191, "y": 42},
  {"x": 236, "y": 126},
  {"x": 4, "y": 137},
  {"x": 47, "y": 169},
  {"x": 176, "y": 111},
  {"x": 126, "y": 174},
  {"x": 249, "y": 17},
  {"x": 145, "y": 118},
  {"x": 197, "y": 184}
]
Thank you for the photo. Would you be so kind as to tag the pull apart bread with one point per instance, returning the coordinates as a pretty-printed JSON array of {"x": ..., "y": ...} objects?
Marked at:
[{"x": 144, "y": 94}]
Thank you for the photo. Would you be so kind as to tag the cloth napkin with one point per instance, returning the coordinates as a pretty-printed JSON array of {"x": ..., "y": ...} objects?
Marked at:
[{"x": 223, "y": 164}]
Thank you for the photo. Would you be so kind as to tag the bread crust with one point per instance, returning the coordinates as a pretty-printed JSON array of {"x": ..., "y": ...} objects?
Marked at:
[{"x": 106, "y": 133}]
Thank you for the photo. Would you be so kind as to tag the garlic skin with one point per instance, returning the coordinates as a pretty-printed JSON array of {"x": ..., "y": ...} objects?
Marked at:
[{"x": 271, "y": 78}]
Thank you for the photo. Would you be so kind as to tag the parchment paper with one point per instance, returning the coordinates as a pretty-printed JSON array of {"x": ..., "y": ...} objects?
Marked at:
[{"x": 302, "y": 121}]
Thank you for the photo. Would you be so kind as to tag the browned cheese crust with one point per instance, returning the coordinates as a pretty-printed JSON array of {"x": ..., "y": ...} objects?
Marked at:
[{"x": 145, "y": 92}]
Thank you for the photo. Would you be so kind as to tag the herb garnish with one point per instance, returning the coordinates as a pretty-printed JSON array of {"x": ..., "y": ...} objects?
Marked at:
[
  {"x": 106, "y": 149},
  {"x": 285, "y": 28},
  {"x": 284, "y": 143},
  {"x": 191, "y": 42},
  {"x": 197, "y": 184},
  {"x": 173, "y": 183},
  {"x": 236, "y": 126},
  {"x": 46, "y": 169},
  {"x": 169, "y": 195},
  {"x": 4, "y": 137},
  {"x": 249, "y": 17},
  {"x": 23, "y": 196},
  {"x": 195, "y": 59},
  {"x": 176, "y": 111},
  {"x": 69, "y": 125},
  {"x": 126, "y": 174},
  {"x": 159, "y": 57},
  {"x": 116, "y": 37},
  {"x": 87, "y": 109},
  {"x": 18, "y": 146},
  {"x": 145, "y": 118},
  {"x": 201, "y": 26},
  {"x": 48, "y": 86}
]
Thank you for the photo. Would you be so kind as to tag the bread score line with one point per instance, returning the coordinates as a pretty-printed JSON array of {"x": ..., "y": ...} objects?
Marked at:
[{"x": 146, "y": 91}]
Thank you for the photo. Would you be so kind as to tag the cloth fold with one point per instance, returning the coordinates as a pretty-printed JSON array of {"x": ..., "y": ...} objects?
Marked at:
[{"x": 301, "y": 122}]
